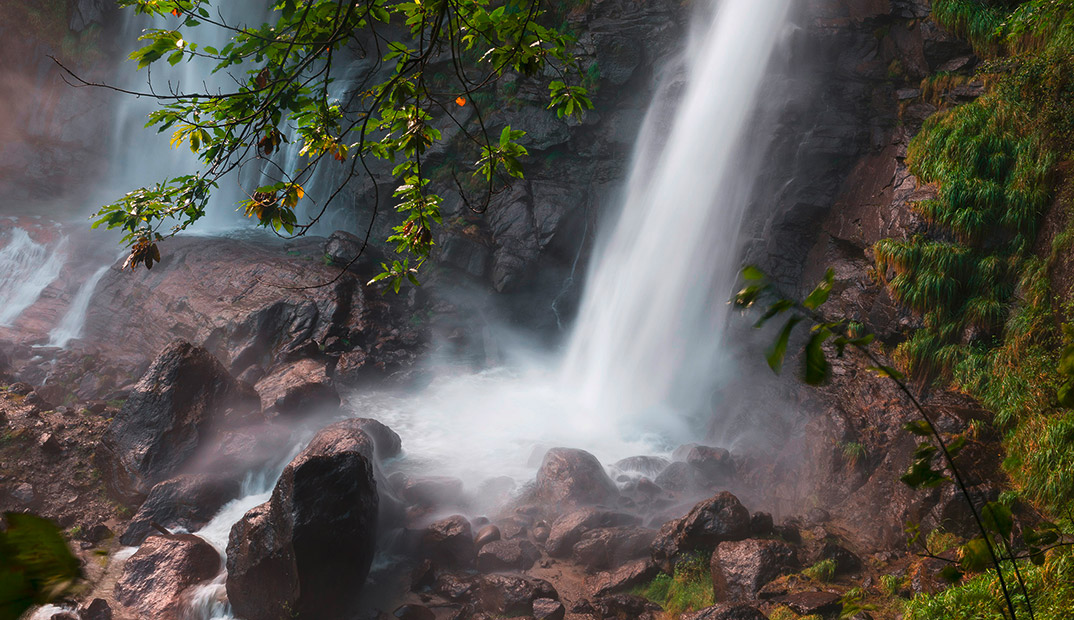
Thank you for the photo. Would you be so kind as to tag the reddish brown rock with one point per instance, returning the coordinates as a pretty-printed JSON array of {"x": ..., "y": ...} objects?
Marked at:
[
  {"x": 717, "y": 519},
  {"x": 726, "y": 612},
  {"x": 808, "y": 603},
  {"x": 624, "y": 577},
  {"x": 503, "y": 555},
  {"x": 571, "y": 478},
  {"x": 449, "y": 542},
  {"x": 741, "y": 568},
  {"x": 603, "y": 548},
  {"x": 157, "y": 577},
  {"x": 569, "y": 528},
  {"x": 298, "y": 389}
]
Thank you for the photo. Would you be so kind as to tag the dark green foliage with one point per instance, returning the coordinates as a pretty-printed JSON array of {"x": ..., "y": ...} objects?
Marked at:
[
  {"x": 36, "y": 566},
  {"x": 1051, "y": 588}
]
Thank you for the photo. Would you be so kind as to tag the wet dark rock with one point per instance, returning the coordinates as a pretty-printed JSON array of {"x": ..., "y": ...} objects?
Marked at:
[
  {"x": 156, "y": 577},
  {"x": 605, "y": 548},
  {"x": 571, "y": 478},
  {"x": 625, "y": 607},
  {"x": 717, "y": 519},
  {"x": 569, "y": 528},
  {"x": 548, "y": 609},
  {"x": 846, "y": 561},
  {"x": 624, "y": 577},
  {"x": 741, "y": 568},
  {"x": 512, "y": 594},
  {"x": 414, "y": 612},
  {"x": 183, "y": 398},
  {"x": 649, "y": 466},
  {"x": 187, "y": 501},
  {"x": 761, "y": 524},
  {"x": 808, "y": 603},
  {"x": 387, "y": 442},
  {"x": 501, "y": 555},
  {"x": 310, "y": 546},
  {"x": 500, "y": 594},
  {"x": 429, "y": 491},
  {"x": 789, "y": 532},
  {"x": 449, "y": 542},
  {"x": 726, "y": 612},
  {"x": 98, "y": 609},
  {"x": 679, "y": 477},
  {"x": 65, "y": 615},
  {"x": 714, "y": 465},
  {"x": 489, "y": 533},
  {"x": 298, "y": 389}
]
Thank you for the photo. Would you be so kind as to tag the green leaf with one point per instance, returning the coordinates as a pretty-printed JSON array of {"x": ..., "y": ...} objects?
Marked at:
[
  {"x": 817, "y": 368},
  {"x": 886, "y": 371},
  {"x": 997, "y": 518},
  {"x": 36, "y": 566},
  {"x": 751, "y": 273},
  {"x": 920, "y": 428},
  {"x": 821, "y": 292},
  {"x": 975, "y": 556},
  {"x": 779, "y": 348}
]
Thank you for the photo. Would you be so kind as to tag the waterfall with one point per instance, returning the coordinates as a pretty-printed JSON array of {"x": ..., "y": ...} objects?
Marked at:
[
  {"x": 70, "y": 327},
  {"x": 648, "y": 333},
  {"x": 26, "y": 269}
]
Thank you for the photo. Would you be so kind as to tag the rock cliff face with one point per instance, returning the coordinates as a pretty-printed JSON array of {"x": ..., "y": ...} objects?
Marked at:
[{"x": 51, "y": 139}]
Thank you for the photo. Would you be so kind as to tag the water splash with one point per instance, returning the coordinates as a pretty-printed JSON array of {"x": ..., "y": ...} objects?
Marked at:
[
  {"x": 648, "y": 334},
  {"x": 26, "y": 269}
]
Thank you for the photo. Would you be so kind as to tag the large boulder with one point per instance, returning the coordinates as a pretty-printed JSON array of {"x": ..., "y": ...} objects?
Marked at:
[
  {"x": 187, "y": 501},
  {"x": 741, "y": 568},
  {"x": 624, "y": 577},
  {"x": 156, "y": 580},
  {"x": 184, "y": 397},
  {"x": 568, "y": 529},
  {"x": 570, "y": 478},
  {"x": 712, "y": 521},
  {"x": 503, "y": 555},
  {"x": 606, "y": 547},
  {"x": 307, "y": 551}
]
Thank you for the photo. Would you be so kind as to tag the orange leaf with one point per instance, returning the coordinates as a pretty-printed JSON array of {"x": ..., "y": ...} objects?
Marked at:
[
  {"x": 461, "y": 101},
  {"x": 176, "y": 12}
]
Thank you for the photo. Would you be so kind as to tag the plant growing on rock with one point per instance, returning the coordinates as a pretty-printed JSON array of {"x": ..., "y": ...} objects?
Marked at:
[
  {"x": 994, "y": 551},
  {"x": 282, "y": 72}
]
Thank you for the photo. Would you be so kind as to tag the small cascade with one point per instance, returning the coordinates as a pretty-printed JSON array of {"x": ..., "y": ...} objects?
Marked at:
[
  {"x": 26, "y": 269},
  {"x": 70, "y": 327}
]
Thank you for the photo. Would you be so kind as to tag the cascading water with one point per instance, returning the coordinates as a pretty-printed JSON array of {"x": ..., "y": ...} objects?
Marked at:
[
  {"x": 26, "y": 269},
  {"x": 70, "y": 327},
  {"x": 649, "y": 326}
]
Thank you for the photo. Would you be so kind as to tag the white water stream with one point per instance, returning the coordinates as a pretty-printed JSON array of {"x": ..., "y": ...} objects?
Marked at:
[{"x": 26, "y": 269}]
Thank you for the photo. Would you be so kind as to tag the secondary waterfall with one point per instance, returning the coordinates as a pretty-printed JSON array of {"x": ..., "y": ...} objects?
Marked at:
[
  {"x": 649, "y": 328},
  {"x": 26, "y": 268}
]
